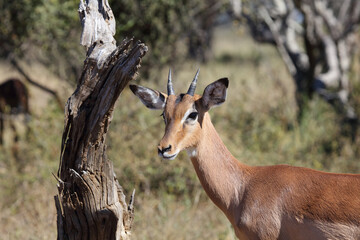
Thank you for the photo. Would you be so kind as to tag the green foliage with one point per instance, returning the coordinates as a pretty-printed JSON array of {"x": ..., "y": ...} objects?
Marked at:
[
  {"x": 164, "y": 25},
  {"x": 56, "y": 32},
  {"x": 16, "y": 21},
  {"x": 157, "y": 23},
  {"x": 48, "y": 31}
]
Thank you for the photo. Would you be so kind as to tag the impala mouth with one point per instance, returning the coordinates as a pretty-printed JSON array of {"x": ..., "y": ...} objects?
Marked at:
[{"x": 168, "y": 157}]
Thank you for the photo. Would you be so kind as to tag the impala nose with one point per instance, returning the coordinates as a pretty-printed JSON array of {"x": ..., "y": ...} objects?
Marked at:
[{"x": 161, "y": 151}]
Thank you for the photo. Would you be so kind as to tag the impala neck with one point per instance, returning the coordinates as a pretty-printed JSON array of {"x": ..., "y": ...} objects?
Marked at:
[{"x": 221, "y": 175}]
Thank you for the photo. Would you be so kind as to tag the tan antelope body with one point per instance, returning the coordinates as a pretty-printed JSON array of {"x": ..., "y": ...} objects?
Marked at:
[{"x": 270, "y": 202}]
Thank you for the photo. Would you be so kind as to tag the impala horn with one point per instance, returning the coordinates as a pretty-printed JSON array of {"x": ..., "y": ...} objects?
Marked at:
[
  {"x": 170, "y": 88},
  {"x": 192, "y": 87}
]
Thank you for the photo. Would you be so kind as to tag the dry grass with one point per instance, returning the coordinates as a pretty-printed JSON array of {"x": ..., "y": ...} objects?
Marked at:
[
  {"x": 257, "y": 123},
  {"x": 170, "y": 219}
]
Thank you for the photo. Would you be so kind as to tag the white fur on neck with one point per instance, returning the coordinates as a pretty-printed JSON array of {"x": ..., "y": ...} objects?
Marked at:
[{"x": 191, "y": 152}]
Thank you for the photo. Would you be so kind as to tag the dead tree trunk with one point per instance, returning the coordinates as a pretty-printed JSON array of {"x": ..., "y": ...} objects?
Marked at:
[{"x": 91, "y": 203}]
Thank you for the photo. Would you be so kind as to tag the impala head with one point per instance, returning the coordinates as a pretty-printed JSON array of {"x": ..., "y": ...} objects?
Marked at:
[{"x": 183, "y": 114}]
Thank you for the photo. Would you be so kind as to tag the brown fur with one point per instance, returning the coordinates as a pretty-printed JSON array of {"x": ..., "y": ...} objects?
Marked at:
[
  {"x": 268, "y": 202},
  {"x": 13, "y": 100}
]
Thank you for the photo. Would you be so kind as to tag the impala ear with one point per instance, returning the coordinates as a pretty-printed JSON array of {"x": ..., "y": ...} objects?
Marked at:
[
  {"x": 150, "y": 98},
  {"x": 215, "y": 93}
]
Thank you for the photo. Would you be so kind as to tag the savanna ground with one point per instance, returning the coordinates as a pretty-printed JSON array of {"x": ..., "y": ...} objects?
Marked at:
[{"x": 257, "y": 123}]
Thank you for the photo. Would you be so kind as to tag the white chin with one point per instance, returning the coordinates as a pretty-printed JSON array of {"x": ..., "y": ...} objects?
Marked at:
[{"x": 169, "y": 157}]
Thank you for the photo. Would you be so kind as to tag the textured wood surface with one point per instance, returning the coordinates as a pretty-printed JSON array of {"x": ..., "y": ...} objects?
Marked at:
[{"x": 91, "y": 203}]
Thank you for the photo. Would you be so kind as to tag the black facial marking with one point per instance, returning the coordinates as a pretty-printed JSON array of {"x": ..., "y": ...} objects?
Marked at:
[
  {"x": 163, "y": 116},
  {"x": 179, "y": 98}
]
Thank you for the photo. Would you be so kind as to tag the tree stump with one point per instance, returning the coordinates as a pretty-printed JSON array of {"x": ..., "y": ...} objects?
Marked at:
[{"x": 91, "y": 203}]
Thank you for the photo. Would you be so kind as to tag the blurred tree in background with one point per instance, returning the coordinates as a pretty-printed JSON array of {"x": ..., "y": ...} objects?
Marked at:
[
  {"x": 317, "y": 41},
  {"x": 16, "y": 25},
  {"x": 57, "y": 33},
  {"x": 172, "y": 29},
  {"x": 48, "y": 31},
  {"x": 44, "y": 31}
]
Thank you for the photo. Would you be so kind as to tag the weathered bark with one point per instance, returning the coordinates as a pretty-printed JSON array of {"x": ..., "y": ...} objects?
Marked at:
[{"x": 91, "y": 203}]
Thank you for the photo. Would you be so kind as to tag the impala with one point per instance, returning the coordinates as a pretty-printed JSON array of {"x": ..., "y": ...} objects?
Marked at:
[
  {"x": 265, "y": 202},
  {"x": 14, "y": 99}
]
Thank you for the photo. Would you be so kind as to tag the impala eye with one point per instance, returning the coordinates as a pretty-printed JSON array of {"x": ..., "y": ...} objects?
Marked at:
[{"x": 192, "y": 116}]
